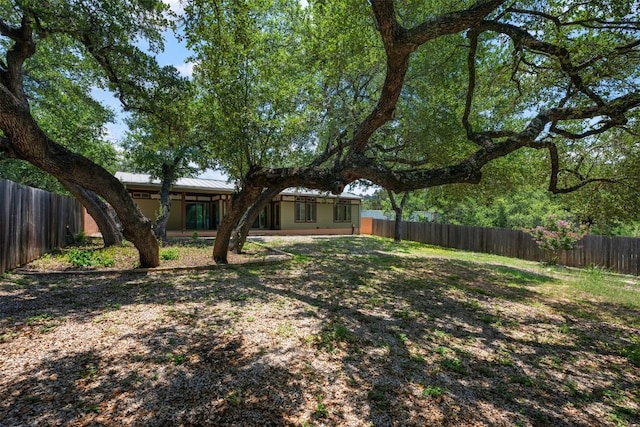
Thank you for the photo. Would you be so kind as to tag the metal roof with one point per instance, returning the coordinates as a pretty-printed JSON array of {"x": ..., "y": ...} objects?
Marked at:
[
  {"x": 216, "y": 185},
  {"x": 181, "y": 183}
]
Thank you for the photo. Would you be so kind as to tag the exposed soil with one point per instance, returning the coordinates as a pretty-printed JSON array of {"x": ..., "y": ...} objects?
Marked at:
[{"x": 351, "y": 332}]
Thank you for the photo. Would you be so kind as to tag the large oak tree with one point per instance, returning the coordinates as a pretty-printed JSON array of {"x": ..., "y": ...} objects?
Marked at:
[
  {"x": 544, "y": 76},
  {"x": 104, "y": 31}
]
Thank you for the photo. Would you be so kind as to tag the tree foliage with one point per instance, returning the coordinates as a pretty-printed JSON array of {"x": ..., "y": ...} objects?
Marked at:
[
  {"x": 164, "y": 139},
  {"x": 65, "y": 110},
  {"x": 447, "y": 88}
]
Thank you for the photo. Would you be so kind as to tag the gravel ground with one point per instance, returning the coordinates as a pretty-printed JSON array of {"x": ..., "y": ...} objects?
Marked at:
[{"x": 351, "y": 332}]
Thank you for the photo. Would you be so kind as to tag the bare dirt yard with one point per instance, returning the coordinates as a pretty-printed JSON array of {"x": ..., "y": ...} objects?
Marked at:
[{"x": 353, "y": 331}]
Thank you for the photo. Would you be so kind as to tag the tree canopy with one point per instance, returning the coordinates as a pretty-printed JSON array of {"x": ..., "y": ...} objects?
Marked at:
[{"x": 447, "y": 89}]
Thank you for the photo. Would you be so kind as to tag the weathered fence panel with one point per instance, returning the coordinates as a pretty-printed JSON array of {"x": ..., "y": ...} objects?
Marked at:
[
  {"x": 33, "y": 222},
  {"x": 619, "y": 254}
]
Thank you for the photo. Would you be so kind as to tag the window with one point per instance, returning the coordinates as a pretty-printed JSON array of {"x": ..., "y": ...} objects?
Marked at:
[
  {"x": 342, "y": 211},
  {"x": 197, "y": 216},
  {"x": 306, "y": 209}
]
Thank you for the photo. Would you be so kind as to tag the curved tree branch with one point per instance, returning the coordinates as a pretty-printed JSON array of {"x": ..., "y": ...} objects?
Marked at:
[{"x": 523, "y": 38}]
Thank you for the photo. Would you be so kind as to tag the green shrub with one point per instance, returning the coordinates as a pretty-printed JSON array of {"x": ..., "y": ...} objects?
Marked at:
[
  {"x": 89, "y": 258},
  {"x": 169, "y": 254}
]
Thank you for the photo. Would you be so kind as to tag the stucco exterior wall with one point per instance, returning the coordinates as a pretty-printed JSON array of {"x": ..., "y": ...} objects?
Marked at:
[
  {"x": 89, "y": 224},
  {"x": 175, "y": 219},
  {"x": 147, "y": 198},
  {"x": 324, "y": 217}
]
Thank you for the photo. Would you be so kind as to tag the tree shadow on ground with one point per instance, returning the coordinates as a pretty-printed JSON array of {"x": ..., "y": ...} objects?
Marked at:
[
  {"x": 339, "y": 336},
  {"x": 169, "y": 379}
]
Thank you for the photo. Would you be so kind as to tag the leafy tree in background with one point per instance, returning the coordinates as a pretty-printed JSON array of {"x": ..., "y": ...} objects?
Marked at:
[
  {"x": 163, "y": 139},
  {"x": 103, "y": 31}
]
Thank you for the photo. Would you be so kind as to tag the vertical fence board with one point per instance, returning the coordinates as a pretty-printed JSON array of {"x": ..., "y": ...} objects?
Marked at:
[
  {"x": 33, "y": 222},
  {"x": 619, "y": 254}
]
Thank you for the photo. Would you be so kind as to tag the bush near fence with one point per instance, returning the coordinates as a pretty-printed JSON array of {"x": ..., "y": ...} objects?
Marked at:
[
  {"x": 33, "y": 222},
  {"x": 618, "y": 254}
]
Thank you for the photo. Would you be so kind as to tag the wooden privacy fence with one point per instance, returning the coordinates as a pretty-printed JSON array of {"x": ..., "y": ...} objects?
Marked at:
[
  {"x": 619, "y": 254},
  {"x": 33, "y": 222}
]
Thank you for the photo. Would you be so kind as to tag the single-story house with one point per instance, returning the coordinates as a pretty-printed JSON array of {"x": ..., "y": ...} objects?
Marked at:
[{"x": 198, "y": 205}]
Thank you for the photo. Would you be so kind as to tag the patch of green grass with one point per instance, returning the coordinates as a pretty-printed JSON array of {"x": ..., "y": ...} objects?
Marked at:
[
  {"x": 333, "y": 334},
  {"x": 32, "y": 398},
  {"x": 440, "y": 335},
  {"x": 183, "y": 316},
  {"x": 376, "y": 301},
  {"x": 404, "y": 314},
  {"x": 433, "y": 391},
  {"x": 618, "y": 290},
  {"x": 92, "y": 409},
  {"x": 239, "y": 297},
  {"x": 522, "y": 380},
  {"x": 321, "y": 409},
  {"x": 491, "y": 319},
  {"x": 609, "y": 288},
  {"x": 442, "y": 350},
  {"x": 615, "y": 395},
  {"x": 234, "y": 398},
  {"x": 622, "y": 415},
  {"x": 177, "y": 358},
  {"x": 89, "y": 258},
  {"x": 632, "y": 353},
  {"x": 378, "y": 396},
  {"x": 90, "y": 371},
  {"x": 285, "y": 329},
  {"x": 454, "y": 364},
  {"x": 169, "y": 254},
  {"x": 416, "y": 357},
  {"x": 519, "y": 277},
  {"x": 45, "y": 321},
  {"x": 38, "y": 319},
  {"x": 301, "y": 259},
  {"x": 504, "y": 360}
]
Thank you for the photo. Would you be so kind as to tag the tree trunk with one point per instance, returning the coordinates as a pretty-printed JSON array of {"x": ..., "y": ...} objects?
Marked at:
[
  {"x": 398, "y": 209},
  {"x": 160, "y": 229},
  {"x": 28, "y": 142},
  {"x": 101, "y": 212},
  {"x": 240, "y": 202},
  {"x": 250, "y": 216},
  {"x": 397, "y": 232}
]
